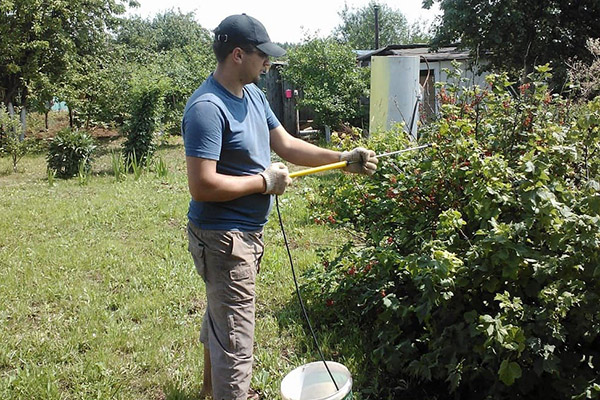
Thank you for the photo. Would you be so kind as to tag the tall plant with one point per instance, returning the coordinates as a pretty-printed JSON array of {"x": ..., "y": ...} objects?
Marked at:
[
  {"x": 586, "y": 76},
  {"x": 147, "y": 105}
]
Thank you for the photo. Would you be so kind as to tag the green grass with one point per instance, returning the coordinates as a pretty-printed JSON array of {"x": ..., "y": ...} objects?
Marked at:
[{"x": 99, "y": 298}]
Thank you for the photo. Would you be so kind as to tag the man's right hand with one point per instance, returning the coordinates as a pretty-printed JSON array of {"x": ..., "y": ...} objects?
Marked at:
[{"x": 277, "y": 178}]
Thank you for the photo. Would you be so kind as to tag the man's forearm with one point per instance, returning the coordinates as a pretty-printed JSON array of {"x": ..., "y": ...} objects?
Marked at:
[
  {"x": 225, "y": 187},
  {"x": 309, "y": 155}
]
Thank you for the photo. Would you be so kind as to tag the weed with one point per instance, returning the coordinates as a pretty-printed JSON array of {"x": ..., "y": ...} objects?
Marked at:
[
  {"x": 83, "y": 173},
  {"x": 160, "y": 167},
  {"x": 118, "y": 166},
  {"x": 134, "y": 165},
  {"x": 51, "y": 176}
]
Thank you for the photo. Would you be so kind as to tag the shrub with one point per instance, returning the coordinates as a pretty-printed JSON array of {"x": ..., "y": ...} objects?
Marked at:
[
  {"x": 70, "y": 153},
  {"x": 332, "y": 84},
  {"x": 147, "y": 105},
  {"x": 478, "y": 272}
]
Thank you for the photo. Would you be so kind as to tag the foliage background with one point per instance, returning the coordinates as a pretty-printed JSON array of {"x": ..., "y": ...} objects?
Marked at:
[
  {"x": 517, "y": 35},
  {"x": 358, "y": 27}
]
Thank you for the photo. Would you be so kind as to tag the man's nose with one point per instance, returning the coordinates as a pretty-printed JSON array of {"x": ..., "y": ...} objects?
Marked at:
[{"x": 267, "y": 65}]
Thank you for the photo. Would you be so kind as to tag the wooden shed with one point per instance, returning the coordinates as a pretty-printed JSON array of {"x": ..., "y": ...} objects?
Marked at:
[{"x": 281, "y": 97}]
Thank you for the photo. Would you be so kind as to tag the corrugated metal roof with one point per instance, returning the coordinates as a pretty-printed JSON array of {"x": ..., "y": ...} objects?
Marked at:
[{"x": 442, "y": 54}]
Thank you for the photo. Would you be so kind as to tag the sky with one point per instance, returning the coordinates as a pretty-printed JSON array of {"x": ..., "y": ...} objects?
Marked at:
[{"x": 285, "y": 20}]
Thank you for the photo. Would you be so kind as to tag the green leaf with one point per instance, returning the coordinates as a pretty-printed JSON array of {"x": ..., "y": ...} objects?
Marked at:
[
  {"x": 509, "y": 372},
  {"x": 529, "y": 167}
]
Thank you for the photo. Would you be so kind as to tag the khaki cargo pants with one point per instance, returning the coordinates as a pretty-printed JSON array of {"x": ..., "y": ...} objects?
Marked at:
[{"x": 228, "y": 263}]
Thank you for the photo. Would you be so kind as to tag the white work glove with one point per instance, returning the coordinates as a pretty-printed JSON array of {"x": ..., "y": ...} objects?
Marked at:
[
  {"x": 277, "y": 178},
  {"x": 360, "y": 161}
]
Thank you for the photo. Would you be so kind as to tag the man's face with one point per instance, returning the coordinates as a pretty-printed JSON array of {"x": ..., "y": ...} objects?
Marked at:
[{"x": 257, "y": 63}]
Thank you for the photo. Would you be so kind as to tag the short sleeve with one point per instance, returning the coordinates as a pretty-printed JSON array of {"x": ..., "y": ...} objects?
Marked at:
[
  {"x": 272, "y": 120},
  {"x": 202, "y": 128}
]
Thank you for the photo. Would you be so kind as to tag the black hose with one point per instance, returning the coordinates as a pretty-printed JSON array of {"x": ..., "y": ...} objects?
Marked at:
[{"x": 300, "y": 297}]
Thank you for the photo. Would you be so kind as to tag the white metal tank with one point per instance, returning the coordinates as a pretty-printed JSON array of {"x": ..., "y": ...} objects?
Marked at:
[{"x": 395, "y": 90}]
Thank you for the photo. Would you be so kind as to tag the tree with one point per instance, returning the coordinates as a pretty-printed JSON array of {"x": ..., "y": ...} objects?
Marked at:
[
  {"x": 165, "y": 32},
  {"x": 517, "y": 35},
  {"x": 358, "y": 27},
  {"x": 174, "y": 46},
  {"x": 184, "y": 57},
  {"x": 331, "y": 82},
  {"x": 176, "y": 30},
  {"x": 96, "y": 88},
  {"x": 41, "y": 39}
]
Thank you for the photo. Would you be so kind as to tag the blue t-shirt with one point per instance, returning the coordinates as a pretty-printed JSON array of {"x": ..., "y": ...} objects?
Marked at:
[{"x": 234, "y": 132}]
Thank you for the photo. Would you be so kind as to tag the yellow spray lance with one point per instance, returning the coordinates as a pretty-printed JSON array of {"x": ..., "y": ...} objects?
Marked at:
[{"x": 343, "y": 164}]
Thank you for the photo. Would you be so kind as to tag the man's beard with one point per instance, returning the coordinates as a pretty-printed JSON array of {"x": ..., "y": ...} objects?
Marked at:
[{"x": 259, "y": 77}]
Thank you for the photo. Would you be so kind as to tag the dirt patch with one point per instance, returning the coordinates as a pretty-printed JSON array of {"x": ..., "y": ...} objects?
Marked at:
[{"x": 59, "y": 120}]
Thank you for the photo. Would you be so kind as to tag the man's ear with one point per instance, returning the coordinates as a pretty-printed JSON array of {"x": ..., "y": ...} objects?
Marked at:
[{"x": 237, "y": 54}]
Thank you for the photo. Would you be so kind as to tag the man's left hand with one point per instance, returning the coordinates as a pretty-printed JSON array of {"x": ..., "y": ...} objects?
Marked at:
[{"x": 360, "y": 161}]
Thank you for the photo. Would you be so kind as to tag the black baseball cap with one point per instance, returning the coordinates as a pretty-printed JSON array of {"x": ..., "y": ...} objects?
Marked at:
[{"x": 242, "y": 28}]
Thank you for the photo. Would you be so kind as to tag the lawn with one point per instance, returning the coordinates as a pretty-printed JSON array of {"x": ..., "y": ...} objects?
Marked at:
[{"x": 99, "y": 298}]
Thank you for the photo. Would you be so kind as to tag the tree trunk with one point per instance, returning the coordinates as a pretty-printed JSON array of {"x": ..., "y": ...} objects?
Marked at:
[
  {"x": 23, "y": 123},
  {"x": 11, "y": 113},
  {"x": 24, "y": 95},
  {"x": 46, "y": 118},
  {"x": 70, "y": 118},
  {"x": 11, "y": 109}
]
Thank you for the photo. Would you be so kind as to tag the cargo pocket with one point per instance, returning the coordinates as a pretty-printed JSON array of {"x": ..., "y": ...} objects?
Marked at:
[
  {"x": 197, "y": 251},
  {"x": 232, "y": 335},
  {"x": 248, "y": 250},
  {"x": 241, "y": 270}
]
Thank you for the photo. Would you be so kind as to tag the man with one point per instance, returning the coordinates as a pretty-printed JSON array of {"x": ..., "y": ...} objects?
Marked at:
[{"x": 229, "y": 131}]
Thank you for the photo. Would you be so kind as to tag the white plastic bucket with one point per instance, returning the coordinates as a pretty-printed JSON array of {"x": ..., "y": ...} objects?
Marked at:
[{"x": 312, "y": 382}]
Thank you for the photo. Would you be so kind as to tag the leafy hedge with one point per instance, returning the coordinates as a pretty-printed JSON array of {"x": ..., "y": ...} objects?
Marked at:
[{"x": 478, "y": 272}]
